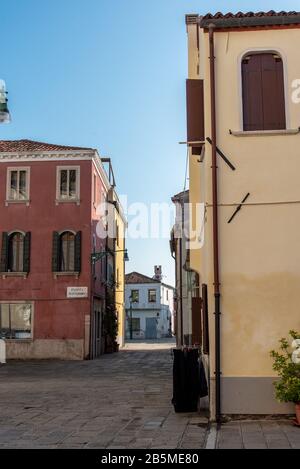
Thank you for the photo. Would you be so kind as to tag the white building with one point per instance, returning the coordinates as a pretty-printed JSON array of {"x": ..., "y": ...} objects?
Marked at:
[{"x": 149, "y": 306}]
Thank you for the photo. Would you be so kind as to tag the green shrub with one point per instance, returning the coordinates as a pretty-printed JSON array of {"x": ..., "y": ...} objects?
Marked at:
[{"x": 288, "y": 387}]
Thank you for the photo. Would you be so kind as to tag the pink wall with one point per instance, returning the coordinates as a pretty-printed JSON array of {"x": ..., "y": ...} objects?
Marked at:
[{"x": 54, "y": 315}]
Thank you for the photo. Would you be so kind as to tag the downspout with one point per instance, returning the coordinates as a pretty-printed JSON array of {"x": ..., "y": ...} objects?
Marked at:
[
  {"x": 180, "y": 272},
  {"x": 215, "y": 225}
]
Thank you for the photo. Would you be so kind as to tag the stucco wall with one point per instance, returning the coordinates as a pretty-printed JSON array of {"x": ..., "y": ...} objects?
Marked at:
[
  {"x": 45, "y": 350},
  {"x": 259, "y": 255},
  {"x": 55, "y": 318}
]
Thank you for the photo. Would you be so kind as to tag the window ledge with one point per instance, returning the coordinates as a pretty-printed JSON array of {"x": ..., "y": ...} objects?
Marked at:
[
  {"x": 67, "y": 201},
  {"x": 29, "y": 340},
  {"x": 24, "y": 202},
  {"x": 14, "y": 274},
  {"x": 263, "y": 133},
  {"x": 66, "y": 274}
]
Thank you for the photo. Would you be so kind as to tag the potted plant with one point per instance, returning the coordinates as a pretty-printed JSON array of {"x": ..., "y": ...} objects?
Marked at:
[{"x": 287, "y": 365}]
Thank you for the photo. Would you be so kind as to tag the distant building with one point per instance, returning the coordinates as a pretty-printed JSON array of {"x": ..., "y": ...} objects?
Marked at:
[
  {"x": 53, "y": 300},
  {"x": 149, "y": 306}
]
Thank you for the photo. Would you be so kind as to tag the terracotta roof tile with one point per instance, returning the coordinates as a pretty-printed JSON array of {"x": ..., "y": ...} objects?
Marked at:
[
  {"x": 249, "y": 14},
  {"x": 135, "y": 277},
  {"x": 20, "y": 146}
]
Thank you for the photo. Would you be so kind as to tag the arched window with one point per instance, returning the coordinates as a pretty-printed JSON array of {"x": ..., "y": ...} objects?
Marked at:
[
  {"x": 67, "y": 252},
  {"x": 16, "y": 252},
  {"x": 263, "y": 92}
]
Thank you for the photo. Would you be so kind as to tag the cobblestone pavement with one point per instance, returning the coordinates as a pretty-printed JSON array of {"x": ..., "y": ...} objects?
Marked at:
[
  {"x": 118, "y": 401},
  {"x": 266, "y": 434}
]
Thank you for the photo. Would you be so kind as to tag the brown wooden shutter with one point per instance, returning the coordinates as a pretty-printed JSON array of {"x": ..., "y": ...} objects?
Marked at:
[
  {"x": 26, "y": 252},
  {"x": 205, "y": 320},
  {"x": 4, "y": 253},
  {"x": 252, "y": 93},
  {"x": 273, "y": 92},
  {"x": 263, "y": 92},
  {"x": 78, "y": 252},
  {"x": 55, "y": 252},
  {"x": 195, "y": 110},
  {"x": 196, "y": 321}
]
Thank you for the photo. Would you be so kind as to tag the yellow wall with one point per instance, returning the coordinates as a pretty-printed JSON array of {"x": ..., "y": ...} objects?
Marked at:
[
  {"x": 259, "y": 250},
  {"x": 120, "y": 277}
]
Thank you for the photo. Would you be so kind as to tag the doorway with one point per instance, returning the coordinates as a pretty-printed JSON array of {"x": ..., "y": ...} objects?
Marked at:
[{"x": 151, "y": 328}]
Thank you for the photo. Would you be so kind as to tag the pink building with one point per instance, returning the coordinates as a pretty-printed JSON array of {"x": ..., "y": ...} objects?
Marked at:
[{"x": 52, "y": 301}]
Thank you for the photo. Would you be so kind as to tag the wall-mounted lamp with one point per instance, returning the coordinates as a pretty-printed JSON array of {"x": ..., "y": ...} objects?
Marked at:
[{"x": 5, "y": 117}]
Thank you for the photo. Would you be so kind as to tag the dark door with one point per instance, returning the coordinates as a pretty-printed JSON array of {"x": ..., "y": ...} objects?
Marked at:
[{"x": 98, "y": 333}]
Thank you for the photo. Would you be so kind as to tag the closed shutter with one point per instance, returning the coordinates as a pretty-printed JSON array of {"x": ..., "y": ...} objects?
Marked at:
[
  {"x": 195, "y": 110},
  {"x": 78, "y": 252},
  {"x": 55, "y": 252},
  {"x": 26, "y": 252},
  {"x": 273, "y": 92},
  {"x": 4, "y": 253},
  {"x": 263, "y": 92},
  {"x": 205, "y": 320}
]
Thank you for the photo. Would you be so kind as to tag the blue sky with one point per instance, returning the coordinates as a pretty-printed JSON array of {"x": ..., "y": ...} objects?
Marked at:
[{"x": 108, "y": 74}]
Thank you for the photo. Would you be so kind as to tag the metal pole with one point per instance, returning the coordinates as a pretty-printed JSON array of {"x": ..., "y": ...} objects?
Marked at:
[
  {"x": 215, "y": 225},
  {"x": 130, "y": 320}
]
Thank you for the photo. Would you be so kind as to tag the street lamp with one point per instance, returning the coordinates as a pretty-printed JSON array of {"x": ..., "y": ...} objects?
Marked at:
[
  {"x": 4, "y": 112},
  {"x": 97, "y": 256}
]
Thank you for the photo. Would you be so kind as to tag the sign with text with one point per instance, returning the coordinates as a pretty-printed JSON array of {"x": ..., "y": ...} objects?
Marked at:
[{"x": 77, "y": 292}]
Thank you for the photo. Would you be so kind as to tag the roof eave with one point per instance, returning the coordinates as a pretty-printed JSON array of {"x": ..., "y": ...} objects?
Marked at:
[{"x": 248, "y": 22}]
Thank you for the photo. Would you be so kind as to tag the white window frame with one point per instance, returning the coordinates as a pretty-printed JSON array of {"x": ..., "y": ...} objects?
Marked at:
[
  {"x": 31, "y": 303},
  {"x": 10, "y": 169},
  {"x": 152, "y": 290},
  {"x": 59, "y": 199}
]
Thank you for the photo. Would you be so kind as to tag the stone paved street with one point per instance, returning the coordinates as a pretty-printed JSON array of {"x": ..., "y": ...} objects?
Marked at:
[
  {"x": 119, "y": 401},
  {"x": 265, "y": 434}
]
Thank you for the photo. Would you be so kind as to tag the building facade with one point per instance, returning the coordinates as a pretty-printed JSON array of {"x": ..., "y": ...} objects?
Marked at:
[
  {"x": 243, "y": 139},
  {"x": 149, "y": 306},
  {"x": 187, "y": 294},
  {"x": 52, "y": 296}
]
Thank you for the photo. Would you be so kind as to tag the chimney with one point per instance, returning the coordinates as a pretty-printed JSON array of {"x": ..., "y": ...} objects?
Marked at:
[{"x": 158, "y": 272}]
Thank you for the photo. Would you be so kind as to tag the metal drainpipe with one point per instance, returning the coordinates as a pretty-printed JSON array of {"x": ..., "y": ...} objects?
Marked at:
[
  {"x": 215, "y": 224},
  {"x": 180, "y": 272}
]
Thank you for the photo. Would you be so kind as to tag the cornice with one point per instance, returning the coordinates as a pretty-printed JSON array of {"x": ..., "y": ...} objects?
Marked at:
[
  {"x": 72, "y": 155},
  {"x": 46, "y": 155}
]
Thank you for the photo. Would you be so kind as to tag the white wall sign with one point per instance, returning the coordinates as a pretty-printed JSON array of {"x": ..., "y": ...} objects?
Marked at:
[{"x": 77, "y": 292}]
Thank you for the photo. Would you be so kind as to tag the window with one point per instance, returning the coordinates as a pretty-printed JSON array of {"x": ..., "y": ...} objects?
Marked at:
[
  {"x": 17, "y": 184},
  {"x": 16, "y": 320},
  {"x": 134, "y": 324},
  {"x": 152, "y": 296},
  {"x": 117, "y": 234},
  {"x": 134, "y": 296},
  {"x": 67, "y": 252},
  {"x": 68, "y": 183},
  {"x": 66, "y": 255},
  {"x": 263, "y": 92},
  {"x": 167, "y": 295},
  {"x": 15, "y": 252}
]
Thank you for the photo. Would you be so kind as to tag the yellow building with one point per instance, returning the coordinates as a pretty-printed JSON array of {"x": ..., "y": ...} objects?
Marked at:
[
  {"x": 120, "y": 254},
  {"x": 242, "y": 95},
  {"x": 121, "y": 225}
]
